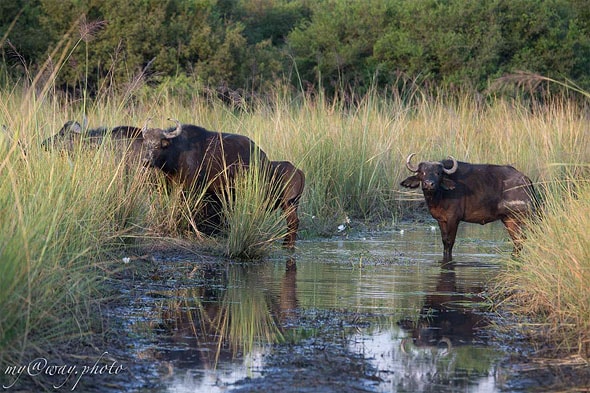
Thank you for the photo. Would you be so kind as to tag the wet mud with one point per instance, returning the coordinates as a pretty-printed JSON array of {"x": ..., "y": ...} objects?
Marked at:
[{"x": 360, "y": 312}]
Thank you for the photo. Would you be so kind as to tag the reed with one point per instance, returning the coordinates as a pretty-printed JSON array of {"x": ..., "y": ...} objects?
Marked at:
[
  {"x": 61, "y": 217},
  {"x": 250, "y": 221},
  {"x": 548, "y": 285}
]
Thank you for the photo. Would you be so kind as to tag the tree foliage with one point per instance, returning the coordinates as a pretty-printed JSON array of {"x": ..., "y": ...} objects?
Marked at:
[{"x": 333, "y": 43}]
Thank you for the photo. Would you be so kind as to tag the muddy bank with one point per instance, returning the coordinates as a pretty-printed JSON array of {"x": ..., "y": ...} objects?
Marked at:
[{"x": 322, "y": 363}]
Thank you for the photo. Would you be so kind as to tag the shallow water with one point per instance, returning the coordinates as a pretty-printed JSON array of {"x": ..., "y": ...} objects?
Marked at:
[{"x": 382, "y": 299}]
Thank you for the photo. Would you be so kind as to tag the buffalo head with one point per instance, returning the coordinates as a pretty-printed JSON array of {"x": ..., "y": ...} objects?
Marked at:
[
  {"x": 156, "y": 141},
  {"x": 431, "y": 175},
  {"x": 67, "y": 137}
]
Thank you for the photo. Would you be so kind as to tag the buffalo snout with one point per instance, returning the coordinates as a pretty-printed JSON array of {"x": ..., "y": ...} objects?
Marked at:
[{"x": 428, "y": 185}]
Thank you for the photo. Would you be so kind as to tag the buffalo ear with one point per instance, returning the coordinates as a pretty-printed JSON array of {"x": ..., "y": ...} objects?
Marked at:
[
  {"x": 164, "y": 143},
  {"x": 447, "y": 184},
  {"x": 411, "y": 182}
]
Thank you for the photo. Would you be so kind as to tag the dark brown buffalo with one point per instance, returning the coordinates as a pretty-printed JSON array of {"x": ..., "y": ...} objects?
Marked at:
[
  {"x": 289, "y": 182},
  {"x": 194, "y": 156},
  {"x": 72, "y": 134},
  {"x": 203, "y": 161},
  {"x": 477, "y": 193}
]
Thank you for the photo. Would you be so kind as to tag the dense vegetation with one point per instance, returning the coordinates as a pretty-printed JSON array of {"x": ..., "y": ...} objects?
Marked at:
[{"x": 335, "y": 44}]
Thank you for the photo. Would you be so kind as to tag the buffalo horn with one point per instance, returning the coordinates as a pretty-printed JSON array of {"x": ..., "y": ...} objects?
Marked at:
[
  {"x": 145, "y": 126},
  {"x": 176, "y": 132},
  {"x": 409, "y": 164},
  {"x": 453, "y": 168}
]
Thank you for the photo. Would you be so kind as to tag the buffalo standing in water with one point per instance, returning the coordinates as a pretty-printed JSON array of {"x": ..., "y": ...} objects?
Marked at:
[{"x": 477, "y": 193}]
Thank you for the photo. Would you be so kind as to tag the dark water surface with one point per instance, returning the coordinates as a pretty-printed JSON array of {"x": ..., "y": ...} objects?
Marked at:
[{"x": 371, "y": 312}]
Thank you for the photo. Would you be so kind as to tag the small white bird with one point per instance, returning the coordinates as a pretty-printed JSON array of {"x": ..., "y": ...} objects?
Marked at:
[
  {"x": 126, "y": 260},
  {"x": 341, "y": 227}
]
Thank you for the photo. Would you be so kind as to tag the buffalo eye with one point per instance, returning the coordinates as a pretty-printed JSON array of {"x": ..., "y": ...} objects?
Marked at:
[{"x": 164, "y": 143}]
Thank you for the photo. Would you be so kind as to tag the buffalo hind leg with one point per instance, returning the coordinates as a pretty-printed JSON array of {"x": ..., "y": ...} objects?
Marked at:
[
  {"x": 514, "y": 227},
  {"x": 448, "y": 231},
  {"x": 290, "y": 212}
]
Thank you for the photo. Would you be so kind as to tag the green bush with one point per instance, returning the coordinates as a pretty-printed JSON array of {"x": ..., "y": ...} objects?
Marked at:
[{"x": 333, "y": 45}]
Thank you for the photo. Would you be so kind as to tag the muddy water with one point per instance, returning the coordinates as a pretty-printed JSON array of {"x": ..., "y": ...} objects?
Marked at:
[{"x": 360, "y": 312}]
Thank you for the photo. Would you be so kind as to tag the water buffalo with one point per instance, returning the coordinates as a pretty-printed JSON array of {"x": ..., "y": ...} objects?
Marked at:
[
  {"x": 477, "y": 193},
  {"x": 289, "y": 182},
  {"x": 72, "y": 134},
  {"x": 192, "y": 155},
  {"x": 202, "y": 160}
]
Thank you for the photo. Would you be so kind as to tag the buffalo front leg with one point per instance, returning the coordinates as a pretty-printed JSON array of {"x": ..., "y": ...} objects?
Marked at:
[
  {"x": 448, "y": 231},
  {"x": 514, "y": 227}
]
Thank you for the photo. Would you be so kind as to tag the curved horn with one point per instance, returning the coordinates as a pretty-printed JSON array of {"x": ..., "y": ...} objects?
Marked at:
[
  {"x": 409, "y": 165},
  {"x": 447, "y": 341},
  {"x": 145, "y": 126},
  {"x": 176, "y": 132},
  {"x": 453, "y": 168}
]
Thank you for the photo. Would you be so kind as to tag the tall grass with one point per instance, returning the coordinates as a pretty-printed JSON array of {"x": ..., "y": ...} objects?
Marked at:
[
  {"x": 60, "y": 217},
  {"x": 251, "y": 223},
  {"x": 548, "y": 285},
  {"x": 353, "y": 156}
]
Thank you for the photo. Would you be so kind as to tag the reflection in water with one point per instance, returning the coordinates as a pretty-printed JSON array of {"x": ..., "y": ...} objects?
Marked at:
[
  {"x": 439, "y": 350},
  {"x": 202, "y": 330},
  {"x": 446, "y": 316},
  {"x": 420, "y": 318},
  {"x": 288, "y": 303}
]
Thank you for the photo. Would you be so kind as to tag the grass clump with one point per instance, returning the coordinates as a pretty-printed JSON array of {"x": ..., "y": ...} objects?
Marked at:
[
  {"x": 548, "y": 285},
  {"x": 250, "y": 221}
]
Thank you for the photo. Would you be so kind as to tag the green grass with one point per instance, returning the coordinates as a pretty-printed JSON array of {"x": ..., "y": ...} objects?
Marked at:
[
  {"x": 547, "y": 288},
  {"x": 251, "y": 224},
  {"x": 60, "y": 217}
]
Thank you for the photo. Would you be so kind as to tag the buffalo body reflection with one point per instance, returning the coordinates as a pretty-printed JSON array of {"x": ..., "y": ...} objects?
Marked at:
[{"x": 447, "y": 316}]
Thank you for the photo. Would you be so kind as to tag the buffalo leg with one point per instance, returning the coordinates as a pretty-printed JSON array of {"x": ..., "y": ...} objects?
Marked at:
[
  {"x": 448, "y": 232},
  {"x": 514, "y": 227},
  {"x": 290, "y": 212}
]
